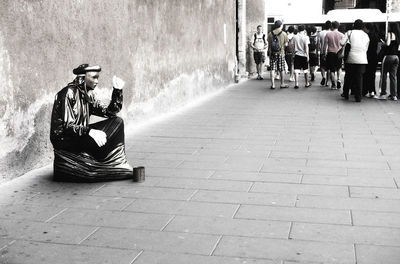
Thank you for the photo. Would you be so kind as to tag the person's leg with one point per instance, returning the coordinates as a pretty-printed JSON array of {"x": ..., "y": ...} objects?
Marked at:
[
  {"x": 273, "y": 69},
  {"x": 359, "y": 70},
  {"x": 347, "y": 81},
  {"x": 305, "y": 67},
  {"x": 272, "y": 74},
  {"x": 93, "y": 163},
  {"x": 384, "y": 78},
  {"x": 323, "y": 74},
  {"x": 114, "y": 129},
  {"x": 296, "y": 79},
  {"x": 392, "y": 75},
  {"x": 282, "y": 70},
  {"x": 339, "y": 73},
  {"x": 297, "y": 67},
  {"x": 333, "y": 79}
]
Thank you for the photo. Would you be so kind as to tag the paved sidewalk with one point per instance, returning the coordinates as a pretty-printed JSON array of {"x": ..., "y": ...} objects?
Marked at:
[{"x": 253, "y": 175}]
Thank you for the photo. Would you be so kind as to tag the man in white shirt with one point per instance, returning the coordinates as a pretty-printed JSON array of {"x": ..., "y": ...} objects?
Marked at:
[
  {"x": 301, "y": 55},
  {"x": 259, "y": 44}
]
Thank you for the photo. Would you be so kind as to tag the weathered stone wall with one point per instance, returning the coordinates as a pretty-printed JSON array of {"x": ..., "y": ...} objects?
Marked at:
[{"x": 168, "y": 52}]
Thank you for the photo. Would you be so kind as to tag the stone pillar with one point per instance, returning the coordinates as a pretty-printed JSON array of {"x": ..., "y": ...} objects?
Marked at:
[
  {"x": 255, "y": 13},
  {"x": 242, "y": 38}
]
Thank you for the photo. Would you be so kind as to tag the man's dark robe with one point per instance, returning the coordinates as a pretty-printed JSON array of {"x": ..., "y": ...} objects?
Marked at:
[{"x": 77, "y": 156}]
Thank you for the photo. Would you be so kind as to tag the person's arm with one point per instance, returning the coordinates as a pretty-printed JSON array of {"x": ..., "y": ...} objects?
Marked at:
[
  {"x": 115, "y": 105},
  {"x": 66, "y": 116},
  {"x": 344, "y": 39},
  {"x": 388, "y": 39},
  {"x": 326, "y": 40},
  {"x": 307, "y": 48},
  {"x": 252, "y": 43}
]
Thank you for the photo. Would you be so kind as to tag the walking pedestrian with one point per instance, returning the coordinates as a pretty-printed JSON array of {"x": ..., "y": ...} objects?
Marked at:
[
  {"x": 277, "y": 40},
  {"x": 289, "y": 53},
  {"x": 356, "y": 62},
  {"x": 322, "y": 52},
  {"x": 301, "y": 57},
  {"x": 372, "y": 56},
  {"x": 313, "y": 51},
  {"x": 332, "y": 45},
  {"x": 390, "y": 62}
]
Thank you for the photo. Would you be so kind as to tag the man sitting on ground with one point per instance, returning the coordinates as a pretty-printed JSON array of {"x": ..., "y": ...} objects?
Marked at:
[{"x": 88, "y": 152}]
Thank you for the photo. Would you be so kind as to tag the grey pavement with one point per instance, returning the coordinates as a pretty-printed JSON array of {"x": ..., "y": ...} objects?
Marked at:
[{"x": 251, "y": 175}]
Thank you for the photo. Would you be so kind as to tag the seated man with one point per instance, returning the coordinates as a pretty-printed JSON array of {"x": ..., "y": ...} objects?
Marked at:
[{"x": 88, "y": 152}]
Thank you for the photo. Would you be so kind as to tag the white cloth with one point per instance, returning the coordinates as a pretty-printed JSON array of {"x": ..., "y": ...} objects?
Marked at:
[
  {"x": 301, "y": 41},
  {"x": 359, "y": 41},
  {"x": 321, "y": 39}
]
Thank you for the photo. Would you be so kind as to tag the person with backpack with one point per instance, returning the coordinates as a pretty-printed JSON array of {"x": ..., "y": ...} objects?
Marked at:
[
  {"x": 277, "y": 41},
  {"x": 259, "y": 45},
  {"x": 312, "y": 47}
]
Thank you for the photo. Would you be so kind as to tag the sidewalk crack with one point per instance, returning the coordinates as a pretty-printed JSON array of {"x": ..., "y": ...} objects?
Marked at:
[
  {"x": 216, "y": 245},
  {"x": 169, "y": 221},
  {"x": 90, "y": 234},
  {"x": 138, "y": 255},
  {"x": 237, "y": 210},
  {"x": 57, "y": 214},
  {"x": 192, "y": 195}
]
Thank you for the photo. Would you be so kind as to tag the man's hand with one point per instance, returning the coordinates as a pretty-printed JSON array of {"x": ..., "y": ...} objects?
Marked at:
[
  {"x": 98, "y": 136},
  {"x": 118, "y": 83}
]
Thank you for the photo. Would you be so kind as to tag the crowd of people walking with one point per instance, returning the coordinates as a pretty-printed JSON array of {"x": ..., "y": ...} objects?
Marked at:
[{"x": 358, "y": 49}]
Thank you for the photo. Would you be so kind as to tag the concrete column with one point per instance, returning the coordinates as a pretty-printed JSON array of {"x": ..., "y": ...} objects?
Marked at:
[
  {"x": 242, "y": 38},
  {"x": 255, "y": 10}
]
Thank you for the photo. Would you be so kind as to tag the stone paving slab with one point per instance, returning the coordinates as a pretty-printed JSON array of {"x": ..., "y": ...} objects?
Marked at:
[
  {"x": 377, "y": 254},
  {"x": 153, "y": 240},
  {"x": 346, "y": 234},
  {"x": 37, "y": 252},
  {"x": 44, "y": 232},
  {"x": 228, "y": 226},
  {"x": 251, "y": 175},
  {"x": 285, "y": 249},
  {"x": 150, "y": 257},
  {"x": 294, "y": 214},
  {"x": 189, "y": 208}
]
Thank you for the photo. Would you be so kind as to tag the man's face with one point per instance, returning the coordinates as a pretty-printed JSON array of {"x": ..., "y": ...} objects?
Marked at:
[{"x": 91, "y": 79}]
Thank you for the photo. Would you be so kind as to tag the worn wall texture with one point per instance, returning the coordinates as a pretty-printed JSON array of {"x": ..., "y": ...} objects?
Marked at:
[{"x": 168, "y": 52}]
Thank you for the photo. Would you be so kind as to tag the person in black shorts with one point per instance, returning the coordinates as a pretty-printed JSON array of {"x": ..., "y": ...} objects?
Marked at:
[
  {"x": 301, "y": 58},
  {"x": 259, "y": 44},
  {"x": 313, "y": 51}
]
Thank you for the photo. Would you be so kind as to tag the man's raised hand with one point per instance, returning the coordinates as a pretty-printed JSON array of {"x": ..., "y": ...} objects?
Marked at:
[{"x": 118, "y": 83}]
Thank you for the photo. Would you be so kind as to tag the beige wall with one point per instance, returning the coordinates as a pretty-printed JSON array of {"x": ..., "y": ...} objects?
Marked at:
[{"x": 168, "y": 52}]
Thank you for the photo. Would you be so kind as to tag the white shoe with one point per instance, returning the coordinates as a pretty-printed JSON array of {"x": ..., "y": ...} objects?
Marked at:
[{"x": 383, "y": 97}]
